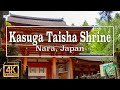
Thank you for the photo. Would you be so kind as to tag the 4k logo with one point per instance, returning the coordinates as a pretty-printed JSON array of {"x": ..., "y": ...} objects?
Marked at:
[{"x": 11, "y": 71}]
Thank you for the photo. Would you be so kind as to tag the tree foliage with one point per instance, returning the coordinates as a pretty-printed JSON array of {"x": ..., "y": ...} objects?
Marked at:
[
  {"x": 107, "y": 48},
  {"x": 106, "y": 15},
  {"x": 3, "y": 57},
  {"x": 13, "y": 50},
  {"x": 85, "y": 23},
  {"x": 85, "y": 44},
  {"x": 2, "y": 30},
  {"x": 116, "y": 23},
  {"x": 101, "y": 47}
]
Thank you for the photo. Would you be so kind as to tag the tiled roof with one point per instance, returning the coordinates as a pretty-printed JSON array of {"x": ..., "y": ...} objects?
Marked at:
[
  {"x": 36, "y": 21},
  {"x": 88, "y": 54},
  {"x": 93, "y": 57},
  {"x": 90, "y": 58}
]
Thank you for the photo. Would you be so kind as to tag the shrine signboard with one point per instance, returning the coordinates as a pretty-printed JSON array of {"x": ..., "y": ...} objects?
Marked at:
[{"x": 109, "y": 69}]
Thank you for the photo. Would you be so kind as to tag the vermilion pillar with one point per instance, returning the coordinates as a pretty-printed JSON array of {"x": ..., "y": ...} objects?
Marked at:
[
  {"x": 24, "y": 64},
  {"x": 54, "y": 67},
  {"x": 25, "y": 61},
  {"x": 71, "y": 68}
]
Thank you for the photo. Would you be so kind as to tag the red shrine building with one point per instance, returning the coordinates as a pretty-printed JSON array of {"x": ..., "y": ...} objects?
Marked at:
[{"x": 51, "y": 67}]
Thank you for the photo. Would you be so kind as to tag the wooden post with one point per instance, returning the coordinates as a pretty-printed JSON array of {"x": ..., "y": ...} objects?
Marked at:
[
  {"x": 117, "y": 62},
  {"x": 71, "y": 68},
  {"x": 24, "y": 64},
  {"x": 25, "y": 61},
  {"x": 54, "y": 68}
]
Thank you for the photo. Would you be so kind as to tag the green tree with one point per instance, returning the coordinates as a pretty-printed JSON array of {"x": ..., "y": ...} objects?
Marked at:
[
  {"x": 106, "y": 15},
  {"x": 85, "y": 44},
  {"x": 85, "y": 23},
  {"x": 116, "y": 23},
  {"x": 107, "y": 48},
  {"x": 13, "y": 50},
  {"x": 72, "y": 24},
  {"x": 99, "y": 47},
  {"x": 3, "y": 57},
  {"x": 117, "y": 15}
]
